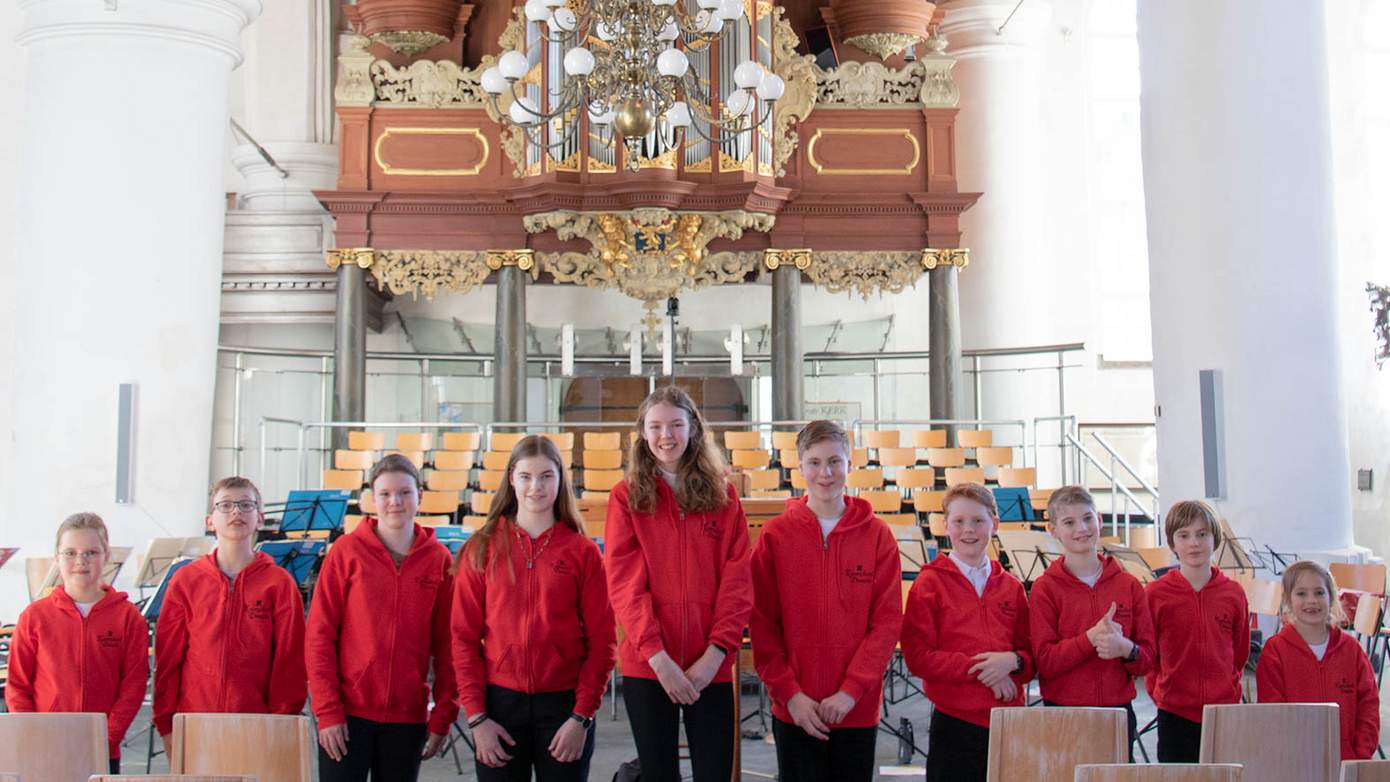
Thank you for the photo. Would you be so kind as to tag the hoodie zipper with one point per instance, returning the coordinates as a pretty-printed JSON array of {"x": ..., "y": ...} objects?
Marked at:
[
  {"x": 530, "y": 583},
  {"x": 231, "y": 621},
  {"x": 685, "y": 599}
]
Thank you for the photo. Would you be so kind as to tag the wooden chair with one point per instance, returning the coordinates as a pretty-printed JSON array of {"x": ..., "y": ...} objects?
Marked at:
[
  {"x": 784, "y": 440},
  {"x": 936, "y": 525},
  {"x": 897, "y": 457},
  {"x": 789, "y": 458},
  {"x": 434, "y": 521},
  {"x": 597, "y": 496},
  {"x": 764, "y": 480},
  {"x": 563, "y": 440},
  {"x": 415, "y": 441},
  {"x": 1366, "y": 620},
  {"x": 994, "y": 457},
  {"x": 1168, "y": 772},
  {"x": 277, "y": 747},
  {"x": 895, "y": 520},
  {"x": 1366, "y": 771},
  {"x": 1024, "y": 743},
  {"x": 1362, "y": 578},
  {"x": 865, "y": 479},
  {"x": 888, "y": 501},
  {"x": 416, "y": 458},
  {"x": 53, "y": 746},
  {"x": 353, "y": 460},
  {"x": 859, "y": 457},
  {"x": 447, "y": 480},
  {"x": 342, "y": 479},
  {"x": 776, "y": 494},
  {"x": 1276, "y": 742},
  {"x": 929, "y": 438},
  {"x": 743, "y": 441},
  {"x": 756, "y": 459},
  {"x": 881, "y": 438},
  {"x": 603, "y": 441},
  {"x": 797, "y": 480},
  {"x": 599, "y": 459},
  {"x": 504, "y": 441},
  {"x": 1018, "y": 477},
  {"x": 439, "y": 502},
  {"x": 915, "y": 478},
  {"x": 956, "y": 475},
  {"x": 496, "y": 460},
  {"x": 1263, "y": 596},
  {"x": 974, "y": 438},
  {"x": 350, "y": 522},
  {"x": 946, "y": 457},
  {"x": 453, "y": 460},
  {"x": 1157, "y": 558},
  {"x": 480, "y": 502},
  {"x": 601, "y": 480},
  {"x": 366, "y": 441},
  {"x": 491, "y": 480},
  {"x": 928, "y": 501},
  {"x": 462, "y": 441}
]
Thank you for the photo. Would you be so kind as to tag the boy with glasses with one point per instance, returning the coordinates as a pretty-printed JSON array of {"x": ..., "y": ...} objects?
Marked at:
[{"x": 230, "y": 636}]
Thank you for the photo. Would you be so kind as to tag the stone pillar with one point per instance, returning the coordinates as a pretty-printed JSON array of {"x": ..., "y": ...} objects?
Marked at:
[
  {"x": 1238, "y": 195},
  {"x": 350, "y": 338},
  {"x": 509, "y": 345},
  {"x": 999, "y": 130},
  {"x": 788, "y": 355},
  {"x": 943, "y": 329},
  {"x": 119, "y": 245}
]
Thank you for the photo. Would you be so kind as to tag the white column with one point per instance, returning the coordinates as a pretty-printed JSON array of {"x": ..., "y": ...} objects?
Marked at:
[
  {"x": 1003, "y": 301},
  {"x": 1238, "y": 190},
  {"x": 119, "y": 257}
]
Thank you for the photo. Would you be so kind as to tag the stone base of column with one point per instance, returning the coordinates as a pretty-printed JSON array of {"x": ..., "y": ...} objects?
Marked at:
[{"x": 310, "y": 167}]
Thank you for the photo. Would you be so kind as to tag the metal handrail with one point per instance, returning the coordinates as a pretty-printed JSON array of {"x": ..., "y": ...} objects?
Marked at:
[
  {"x": 1116, "y": 488},
  {"x": 857, "y": 426},
  {"x": 1117, "y": 459},
  {"x": 1061, "y": 441}
]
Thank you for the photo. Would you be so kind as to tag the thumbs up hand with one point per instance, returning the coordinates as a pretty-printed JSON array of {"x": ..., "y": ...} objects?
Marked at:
[{"x": 1108, "y": 637}]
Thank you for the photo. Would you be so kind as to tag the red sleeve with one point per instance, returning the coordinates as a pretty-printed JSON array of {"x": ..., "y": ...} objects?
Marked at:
[
  {"x": 446, "y": 707},
  {"x": 1054, "y": 654},
  {"x": 288, "y": 686},
  {"x": 734, "y": 601},
  {"x": 1269, "y": 676},
  {"x": 321, "y": 639},
  {"x": 599, "y": 634},
  {"x": 765, "y": 624},
  {"x": 920, "y": 643},
  {"x": 1141, "y": 632},
  {"x": 19, "y": 687},
  {"x": 1242, "y": 635},
  {"x": 469, "y": 628},
  {"x": 1022, "y": 645},
  {"x": 170, "y": 651},
  {"x": 1365, "y": 735},
  {"x": 870, "y": 660},
  {"x": 628, "y": 583},
  {"x": 135, "y": 678}
]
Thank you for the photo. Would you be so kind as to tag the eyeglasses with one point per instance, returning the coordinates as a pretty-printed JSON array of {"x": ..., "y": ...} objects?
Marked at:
[
  {"x": 73, "y": 554},
  {"x": 227, "y": 506}
]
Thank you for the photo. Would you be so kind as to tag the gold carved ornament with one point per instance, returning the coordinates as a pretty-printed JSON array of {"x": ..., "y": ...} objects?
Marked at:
[
  {"x": 884, "y": 45},
  {"x": 775, "y": 259},
  {"x": 823, "y": 169},
  {"x": 473, "y": 170},
  {"x": 359, "y": 256},
  {"x": 798, "y": 72},
  {"x": 958, "y": 257},
  {"x": 408, "y": 42},
  {"x": 428, "y": 271},
  {"x": 858, "y": 85},
  {"x": 432, "y": 83},
  {"x": 865, "y": 272}
]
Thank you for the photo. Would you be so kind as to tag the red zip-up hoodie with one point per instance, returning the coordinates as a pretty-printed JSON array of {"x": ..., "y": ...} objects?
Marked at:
[
  {"x": 679, "y": 581},
  {"x": 826, "y": 610},
  {"x": 373, "y": 628},
  {"x": 1061, "y": 609},
  {"x": 544, "y": 628},
  {"x": 946, "y": 625},
  {"x": 61, "y": 661},
  {"x": 1203, "y": 640},
  {"x": 1289, "y": 673},
  {"x": 229, "y": 645}
]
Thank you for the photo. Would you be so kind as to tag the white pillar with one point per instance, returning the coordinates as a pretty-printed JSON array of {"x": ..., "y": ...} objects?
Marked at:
[
  {"x": 1003, "y": 301},
  {"x": 1238, "y": 192},
  {"x": 119, "y": 248}
]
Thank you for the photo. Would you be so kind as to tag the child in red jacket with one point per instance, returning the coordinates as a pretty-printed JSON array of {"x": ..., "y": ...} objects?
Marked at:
[
  {"x": 965, "y": 634},
  {"x": 677, "y": 552},
  {"x": 380, "y": 612},
  {"x": 533, "y": 631},
  {"x": 84, "y": 647},
  {"x": 1090, "y": 625},
  {"x": 827, "y": 610},
  {"x": 230, "y": 636},
  {"x": 1312, "y": 661},
  {"x": 1201, "y": 629}
]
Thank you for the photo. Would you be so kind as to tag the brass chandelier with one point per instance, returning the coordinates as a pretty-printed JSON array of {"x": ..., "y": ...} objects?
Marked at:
[{"x": 625, "y": 65}]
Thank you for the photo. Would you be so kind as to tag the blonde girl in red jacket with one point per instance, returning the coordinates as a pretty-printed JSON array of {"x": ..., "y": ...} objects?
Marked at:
[
  {"x": 84, "y": 647},
  {"x": 533, "y": 631},
  {"x": 1310, "y": 660},
  {"x": 379, "y": 615},
  {"x": 827, "y": 609},
  {"x": 677, "y": 552}
]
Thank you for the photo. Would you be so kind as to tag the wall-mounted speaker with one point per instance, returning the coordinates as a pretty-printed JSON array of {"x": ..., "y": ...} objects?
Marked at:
[
  {"x": 125, "y": 443},
  {"x": 1213, "y": 437}
]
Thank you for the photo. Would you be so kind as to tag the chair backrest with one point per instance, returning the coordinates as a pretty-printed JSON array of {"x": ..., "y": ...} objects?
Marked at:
[
  {"x": 564, "y": 441},
  {"x": 1366, "y": 771},
  {"x": 929, "y": 438},
  {"x": 491, "y": 480},
  {"x": 897, "y": 457},
  {"x": 946, "y": 457},
  {"x": 604, "y": 441},
  {"x": 1367, "y": 620},
  {"x": 797, "y": 479},
  {"x": 504, "y": 441},
  {"x": 480, "y": 502},
  {"x": 1018, "y": 477},
  {"x": 462, "y": 441},
  {"x": 754, "y": 459},
  {"x": 915, "y": 478},
  {"x": 764, "y": 480},
  {"x": 447, "y": 480},
  {"x": 272, "y": 747},
  {"x": 883, "y": 501},
  {"x": 1024, "y": 742},
  {"x": 1276, "y": 742},
  {"x": 742, "y": 441},
  {"x": 1263, "y": 596},
  {"x": 366, "y": 441},
  {"x": 974, "y": 438},
  {"x": 789, "y": 458},
  {"x": 342, "y": 479},
  {"x": 353, "y": 460},
  {"x": 1166, "y": 772},
  {"x": 1362, "y": 578},
  {"x": 496, "y": 460},
  {"x": 416, "y": 458},
  {"x": 928, "y": 501},
  {"x": 439, "y": 501},
  {"x": 453, "y": 460},
  {"x": 601, "y": 480},
  {"x": 994, "y": 457},
  {"x": 1158, "y": 557},
  {"x": 415, "y": 441},
  {"x": 881, "y": 438},
  {"x": 54, "y": 747},
  {"x": 865, "y": 479},
  {"x": 955, "y": 475},
  {"x": 601, "y": 459},
  {"x": 859, "y": 457},
  {"x": 784, "y": 440}
]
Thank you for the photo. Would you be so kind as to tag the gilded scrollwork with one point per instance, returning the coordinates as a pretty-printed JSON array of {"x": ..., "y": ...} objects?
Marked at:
[
  {"x": 798, "y": 72},
  {"x": 953, "y": 256},
  {"x": 884, "y": 45},
  {"x": 361, "y": 256},
  {"x": 858, "y": 85},
  {"x": 774, "y": 259},
  {"x": 432, "y": 83},
  {"x": 524, "y": 260},
  {"x": 408, "y": 42},
  {"x": 428, "y": 271},
  {"x": 865, "y": 272}
]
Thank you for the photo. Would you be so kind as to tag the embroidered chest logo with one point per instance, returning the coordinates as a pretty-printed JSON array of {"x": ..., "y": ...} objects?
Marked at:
[
  {"x": 109, "y": 640},
  {"x": 258, "y": 610},
  {"x": 858, "y": 575},
  {"x": 1345, "y": 686},
  {"x": 562, "y": 567},
  {"x": 428, "y": 581},
  {"x": 1007, "y": 607},
  {"x": 710, "y": 525},
  {"x": 1225, "y": 622}
]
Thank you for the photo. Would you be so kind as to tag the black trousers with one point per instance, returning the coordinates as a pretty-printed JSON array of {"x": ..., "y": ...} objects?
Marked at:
[
  {"x": 1179, "y": 739},
  {"x": 957, "y": 751},
  {"x": 115, "y": 765},
  {"x": 532, "y": 721},
  {"x": 709, "y": 730},
  {"x": 387, "y": 751},
  {"x": 848, "y": 756},
  {"x": 1130, "y": 720}
]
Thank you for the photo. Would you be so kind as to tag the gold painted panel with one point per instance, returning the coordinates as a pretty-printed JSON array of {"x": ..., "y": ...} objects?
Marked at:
[
  {"x": 821, "y": 168},
  {"x": 475, "y": 133}
]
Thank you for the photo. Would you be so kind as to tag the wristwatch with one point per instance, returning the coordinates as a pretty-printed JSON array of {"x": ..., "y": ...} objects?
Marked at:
[
  {"x": 584, "y": 722},
  {"x": 1133, "y": 653}
]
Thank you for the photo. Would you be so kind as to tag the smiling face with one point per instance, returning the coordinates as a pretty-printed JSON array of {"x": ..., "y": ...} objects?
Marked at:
[
  {"x": 1077, "y": 528},
  {"x": 397, "y": 499},
  {"x": 81, "y": 558},
  {"x": 236, "y": 515},
  {"x": 666, "y": 429},
  {"x": 1310, "y": 601},
  {"x": 1194, "y": 545},
  {"x": 970, "y": 526},
  {"x": 824, "y": 465},
  {"x": 536, "y": 481}
]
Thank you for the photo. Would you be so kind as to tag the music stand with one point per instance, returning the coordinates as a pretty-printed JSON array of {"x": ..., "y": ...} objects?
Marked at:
[
  {"x": 296, "y": 556},
  {"x": 314, "y": 509},
  {"x": 156, "y": 601},
  {"x": 1014, "y": 504},
  {"x": 912, "y": 550},
  {"x": 452, "y": 537},
  {"x": 1029, "y": 552},
  {"x": 1131, "y": 561}
]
